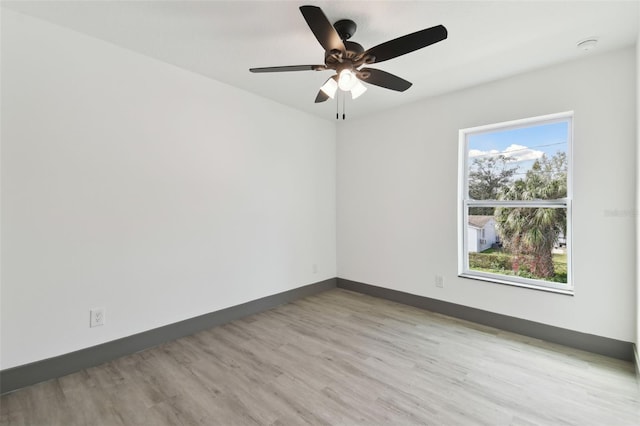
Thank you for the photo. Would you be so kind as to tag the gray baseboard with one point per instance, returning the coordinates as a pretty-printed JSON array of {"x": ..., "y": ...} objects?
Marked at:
[
  {"x": 28, "y": 374},
  {"x": 575, "y": 339}
]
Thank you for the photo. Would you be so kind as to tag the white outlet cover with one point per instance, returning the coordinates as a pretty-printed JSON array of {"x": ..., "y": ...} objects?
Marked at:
[{"x": 97, "y": 317}]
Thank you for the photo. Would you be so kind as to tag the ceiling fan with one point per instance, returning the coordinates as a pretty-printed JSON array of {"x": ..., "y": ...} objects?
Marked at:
[{"x": 347, "y": 57}]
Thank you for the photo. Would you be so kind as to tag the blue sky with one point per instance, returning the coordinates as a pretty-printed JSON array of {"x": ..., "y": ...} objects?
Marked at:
[{"x": 524, "y": 145}]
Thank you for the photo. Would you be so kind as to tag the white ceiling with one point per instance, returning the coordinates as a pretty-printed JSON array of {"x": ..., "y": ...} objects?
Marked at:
[{"x": 223, "y": 39}]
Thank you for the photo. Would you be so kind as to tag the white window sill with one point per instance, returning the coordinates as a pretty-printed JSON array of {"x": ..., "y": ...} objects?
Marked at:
[{"x": 496, "y": 280}]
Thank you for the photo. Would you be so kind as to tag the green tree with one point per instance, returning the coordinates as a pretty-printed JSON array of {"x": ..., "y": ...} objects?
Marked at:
[
  {"x": 487, "y": 177},
  {"x": 530, "y": 233}
]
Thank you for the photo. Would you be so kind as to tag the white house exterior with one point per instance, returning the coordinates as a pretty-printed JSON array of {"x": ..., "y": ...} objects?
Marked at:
[{"x": 481, "y": 233}]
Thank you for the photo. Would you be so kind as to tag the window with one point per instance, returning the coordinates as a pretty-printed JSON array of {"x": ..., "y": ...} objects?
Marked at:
[{"x": 515, "y": 203}]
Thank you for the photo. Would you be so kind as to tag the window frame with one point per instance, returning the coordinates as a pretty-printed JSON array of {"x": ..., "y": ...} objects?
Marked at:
[{"x": 465, "y": 202}]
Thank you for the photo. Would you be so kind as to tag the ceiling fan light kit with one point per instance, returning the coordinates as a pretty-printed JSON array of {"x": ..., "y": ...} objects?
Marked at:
[
  {"x": 347, "y": 57},
  {"x": 346, "y": 80},
  {"x": 357, "y": 90},
  {"x": 330, "y": 88}
]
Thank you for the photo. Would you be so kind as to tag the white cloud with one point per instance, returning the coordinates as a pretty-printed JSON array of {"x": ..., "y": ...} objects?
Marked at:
[
  {"x": 522, "y": 153},
  {"x": 517, "y": 153},
  {"x": 478, "y": 153}
]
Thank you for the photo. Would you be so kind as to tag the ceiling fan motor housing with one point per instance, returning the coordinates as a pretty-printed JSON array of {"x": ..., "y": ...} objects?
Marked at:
[
  {"x": 346, "y": 28},
  {"x": 351, "y": 58},
  {"x": 339, "y": 60}
]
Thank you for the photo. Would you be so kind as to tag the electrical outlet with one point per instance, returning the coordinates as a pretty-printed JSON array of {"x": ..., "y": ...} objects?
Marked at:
[
  {"x": 315, "y": 268},
  {"x": 97, "y": 317},
  {"x": 439, "y": 281}
]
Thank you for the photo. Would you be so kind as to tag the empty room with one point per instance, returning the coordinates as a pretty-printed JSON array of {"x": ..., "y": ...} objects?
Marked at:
[{"x": 328, "y": 212}]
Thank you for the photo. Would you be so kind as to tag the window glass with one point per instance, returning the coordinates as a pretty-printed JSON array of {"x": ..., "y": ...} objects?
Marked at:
[{"x": 515, "y": 196}]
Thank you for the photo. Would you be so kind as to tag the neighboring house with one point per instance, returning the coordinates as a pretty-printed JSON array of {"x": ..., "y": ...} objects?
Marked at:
[
  {"x": 481, "y": 233},
  {"x": 560, "y": 245}
]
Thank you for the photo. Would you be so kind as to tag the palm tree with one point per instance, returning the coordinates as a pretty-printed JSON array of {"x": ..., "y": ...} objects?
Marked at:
[{"x": 529, "y": 233}]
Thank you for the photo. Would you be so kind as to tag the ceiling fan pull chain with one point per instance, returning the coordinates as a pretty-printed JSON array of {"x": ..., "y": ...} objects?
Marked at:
[
  {"x": 337, "y": 100},
  {"x": 344, "y": 96}
]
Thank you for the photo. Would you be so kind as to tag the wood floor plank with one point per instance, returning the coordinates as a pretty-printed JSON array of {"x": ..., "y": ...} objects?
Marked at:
[{"x": 340, "y": 358}]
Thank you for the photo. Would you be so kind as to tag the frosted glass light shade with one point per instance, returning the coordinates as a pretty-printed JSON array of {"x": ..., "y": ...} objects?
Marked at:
[
  {"x": 330, "y": 88},
  {"x": 347, "y": 80},
  {"x": 358, "y": 89}
]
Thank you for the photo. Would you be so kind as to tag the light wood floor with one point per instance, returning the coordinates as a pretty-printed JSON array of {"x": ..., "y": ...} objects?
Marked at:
[{"x": 340, "y": 358}]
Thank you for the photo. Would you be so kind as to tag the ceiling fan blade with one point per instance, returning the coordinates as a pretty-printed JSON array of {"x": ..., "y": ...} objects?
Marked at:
[
  {"x": 322, "y": 28},
  {"x": 407, "y": 44},
  {"x": 383, "y": 79},
  {"x": 290, "y": 68}
]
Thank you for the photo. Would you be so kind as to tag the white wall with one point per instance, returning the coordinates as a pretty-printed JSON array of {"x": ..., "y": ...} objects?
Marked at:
[
  {"x": 156, "y": 193},
  {"x": 397, "y": 176},
  {"x": 161, "y": 195},
  {"x": 638, "y": 189}
]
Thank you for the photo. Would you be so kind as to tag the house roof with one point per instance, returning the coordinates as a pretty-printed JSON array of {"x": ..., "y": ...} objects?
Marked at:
[{"x": 479, "y": 221}]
